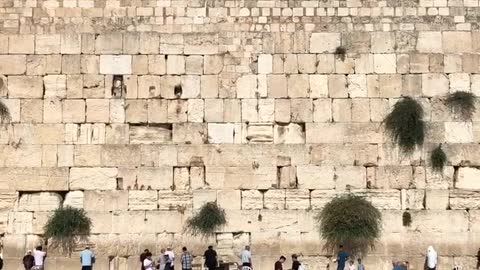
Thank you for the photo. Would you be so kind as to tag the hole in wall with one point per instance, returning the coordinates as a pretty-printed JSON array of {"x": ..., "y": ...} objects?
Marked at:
[
  {"x": 118, "y": 87},
  {"x": 178, "y": 90}
]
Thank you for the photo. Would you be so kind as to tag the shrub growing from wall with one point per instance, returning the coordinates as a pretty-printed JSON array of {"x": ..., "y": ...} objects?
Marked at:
[
  {"x": 207, "y": 220},
  {"x": 351, "y": 221}
]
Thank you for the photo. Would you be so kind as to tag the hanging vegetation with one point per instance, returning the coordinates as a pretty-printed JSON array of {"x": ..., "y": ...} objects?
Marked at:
[
  {"x": 66, "y": 226},
  {"x": 341, "y": 52},
  {"x": 406, "y": 219},
  {"x": 405, "y": 124},
  {"x": 438, "y": 159},
  {"x": 4, "y": 113},
  {"x": 462, "y": 103},
  {"x": 207, "y": 220},
  {"x": 350, "y": 221}
]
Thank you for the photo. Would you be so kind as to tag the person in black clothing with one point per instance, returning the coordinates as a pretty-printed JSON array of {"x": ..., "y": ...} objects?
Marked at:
[
  {"x": 279, "y": 263},
  {"x": 210, "y": 258},
  {"x": 296, "y": 264},
  {"x": 143, "y": 256},
  {"x": 28, "y": 260}
]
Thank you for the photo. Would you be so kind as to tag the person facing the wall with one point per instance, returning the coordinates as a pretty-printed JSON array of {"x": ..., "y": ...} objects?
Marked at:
[
  {"x": 39, "y": 257},
  {"x": 342, "y": 257},
  {"x": 28, "y": 260},
  {"x": 186, "y": 259},
  {"x": 431, "y": 259},
  {"x": 148, "y": 262},
  {"x": 246, "y": 257},
  {"x": 210, "y": 258},
  {"x": 142, "y": 258},
  {"x": 87, "y": 258},
  {"x": 279, "y": 263}
]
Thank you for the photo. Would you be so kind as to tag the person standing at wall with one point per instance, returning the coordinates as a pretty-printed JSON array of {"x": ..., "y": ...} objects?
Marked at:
[
  {"x": 279, "y": 263},
  {"x": 142, "y": 258},
  {"x": 431, "y": 259},
  {"x": 295, "y": 263},
  {"x": 360, "y": 265},
  {"x": 148, "y": 262},
  {"x": 186, "y": 259},
  {"x": 342, "y": 257},
  {"x": 246, "y": 257},
  {"x": 28, "y": 260},
  {"x": 39, "y": 257},
  {"x": 210, "y": 258},
  {"x": 87, "y": 258},
  {"x": 161, "y": 260},
  {"x": 170, "y": 257}
]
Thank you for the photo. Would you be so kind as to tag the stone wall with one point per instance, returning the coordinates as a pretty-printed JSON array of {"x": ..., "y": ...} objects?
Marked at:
[{"x": 140, "y": 111}]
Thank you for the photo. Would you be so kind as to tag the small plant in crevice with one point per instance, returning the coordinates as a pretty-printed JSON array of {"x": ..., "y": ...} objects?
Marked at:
[
  {"x": 207, "y": 220},
  {"x": 351, "y": 221},
  {"x": 341, "y": 52},
  {"x": 438, "y": 159},
  {"x": 406, "y": 219},
  {"x": 66, "y": 227},
  {"x": 405, "y": 124},
  {"x": 462, "y": 103},
  {"x": 5, "y": 116}
]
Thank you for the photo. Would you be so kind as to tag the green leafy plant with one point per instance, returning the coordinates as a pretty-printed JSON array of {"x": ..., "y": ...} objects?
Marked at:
[
  {"x": 406, "y": 219},
  {"x": 462, "y": 103},
  {"x": 207, "y": 220},
  {"x": 341, "y": 52},
  {"x": 438, "y": 159},
  {"x": 66, "y": 226},
  {"x": 351, "y": 221},
  {"x": 5, "y": 116},
  {"x": 405, "y": 124}
]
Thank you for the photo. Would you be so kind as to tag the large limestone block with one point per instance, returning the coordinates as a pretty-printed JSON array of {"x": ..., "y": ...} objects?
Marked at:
[
  {"x": 106, "y": 201},
  {"x": 47, "y": 44},
  {"x": 318, "y": 86},
  {"x": 108, "y": 43},
  {"x": 429, "y": 42},
  {"x": 191, "y": 133},
  {"x": 265, "y": 64},
  {"x": 73, "y": 111},
  {"x": 20, "y": 223},
  {"x": 395, "y": 177},
  {"x": 115, "y": 64},
  {"x": 21, "y": 44},
  {"x": 74, "y": 199},
  {"x": 93, "y": 178},
  {"x": 357, "y": 85},
  {"x": 70, "y": 43},
  {"x": 434, "y": 84},
  {"x": 467, "y": 178},
  {"x": 201, "y": 43},
  {"x": 142, "y": 200},
  {"x": 190, "y": 86},
  {"x": 289, "y": 133},
  {"x": 344, "y": 154},
  {"x": 252, "y": 199},
  {"x": 324, "y": 42},
  {"x": 55, "y": 86},
  {"x": 413, "y": 199},
  {"x": 202, "y": 196},
  {"x": 229, "y": 199},
  {"x": 385, "y": 63},
  {"x": 121, "y": 155},
  {"x": 248, "y": 177},
  {"x": 42, "y": 201},
  {"x": 274, "y": 199},
  {"x": 13, "y": 64},
  {"x": 457, "y": 42},
  {"x": 150, "y": 134},
  {"x": 350, "y": 177},
  {"x": 297, "y": 199},
  {"x": 247, "y": 86},
  {"x": 163, "y": 221},
  {"x": 98, "y": 110},
  {"x": 439, "y": 221},
  {"x": 46, "y": 179},
  {"x": 259, "y": 133},
  {"x": 315, "y": 177},
  {"x": 382, "y": 199},
  {"x": 383, "y": 42},
  {"x": 25, "y": 87},
  {"x": 175, "y": 200},
  {"x": 458, "y": 132},
  {"x": 176, "y": 64},
  {"x": 343, "y": 133},
  {"x": 221, "y": 133},
  {"x": 437, "y": 199},
  {"x": 298, "y": 85}
]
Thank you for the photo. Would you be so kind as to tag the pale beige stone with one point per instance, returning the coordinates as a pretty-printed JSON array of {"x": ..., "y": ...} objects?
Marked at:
[
  {"x": 385, "y": 63},
  {"x": 105, "y": 201},
  {"x": 322, "y": 110},
  {"x": 142, "y": 199},
  {"x": 43, "y": 201},
  {"x": 175, "y": 64},
  {"x": 457, "y": 42},
  {"x": 265, "y": 64},
  {"x": 21, "y": 44},
  {"x": 298, "y": 86},
  {"x": 25, "y": 87},
  {"x": 47, "y": 44},
  {"x": 324, "y": 42},
  {"x": 175, "y": 200},
  {"x": 150, "y": 134},
  {"x": 429, "y": 42},
  {"x": 98, "y": 110},
  {"x": 93, "y": 178},
  {"x": 383, "y": 42},
  {"x": 115, "y": 64},
  {"x": 434, "y": 84},
  {"x": 55, "y": 86},
  {"x": 252, "y": 199},
  {"x": 74, "y": 199}
]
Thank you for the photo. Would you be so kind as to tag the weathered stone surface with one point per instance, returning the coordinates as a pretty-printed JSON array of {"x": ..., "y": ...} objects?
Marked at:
[
  {"x": 74, "y": 199},
  {"x": 467, "y": 178},
  {"x": 105, "y": 201},
  {"x": 42, "y": 201},
  {"x": 142, "y": 200},
  {"x": 175, "y": 200},
  {"x": 115, "y": 64},
  {"x": 315, "y": 177},
  {"x": 93, "y": 178},
  {"x": 252, "y": 199},
  {"x": 150, "y": 134}
]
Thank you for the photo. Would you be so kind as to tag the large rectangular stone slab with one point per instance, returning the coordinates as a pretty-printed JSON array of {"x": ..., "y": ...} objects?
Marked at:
[{"x": 95, "y": 178}]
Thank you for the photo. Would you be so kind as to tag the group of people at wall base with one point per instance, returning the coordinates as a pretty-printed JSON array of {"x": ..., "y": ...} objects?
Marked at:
[{"x": 35, "y": 260}]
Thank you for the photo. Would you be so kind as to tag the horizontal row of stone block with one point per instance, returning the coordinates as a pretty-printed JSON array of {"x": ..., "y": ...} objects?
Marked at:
[
  {"x": 226, "y": 133},
  {"x": 194, "y": 44},
  {"x": 203, "y": 114},
  {"x": 293, "y": 86},
  {"x": 151, "y": 222},
  {"x": 226, "y": 155}
]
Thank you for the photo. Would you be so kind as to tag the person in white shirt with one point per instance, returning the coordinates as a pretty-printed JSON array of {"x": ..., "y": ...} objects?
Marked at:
[
  {"x": 148, "y": 262},
  {"x": 170, "y": 259},
  {"x": 39, "y": 258},
  {"x": 246, "y": 257}
]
